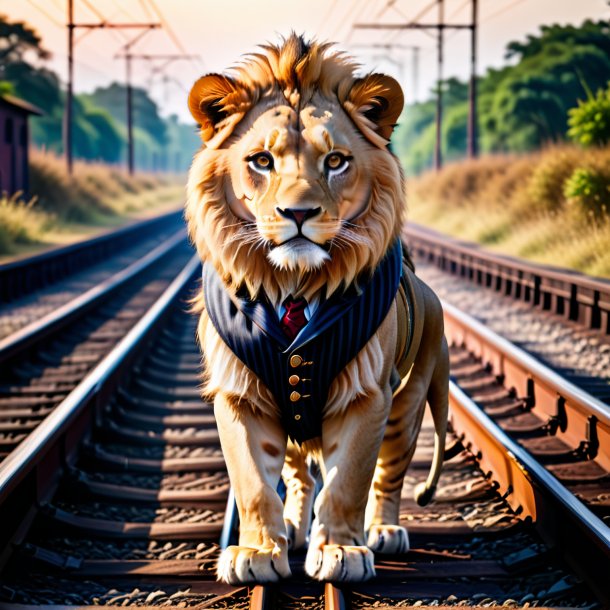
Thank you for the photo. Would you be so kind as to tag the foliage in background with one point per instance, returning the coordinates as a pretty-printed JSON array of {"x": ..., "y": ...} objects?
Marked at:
[
  {"x": 590, "y": 121},
  {"x": 587, "y": 191},
  {"x": 97, "y": 194},
  {"x": 100, "y": 131},
  {"x": 551, "y": 206},
  {"x": 522, "y": 106}
]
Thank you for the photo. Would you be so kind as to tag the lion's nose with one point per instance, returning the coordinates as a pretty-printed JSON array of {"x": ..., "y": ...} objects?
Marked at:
[{"x": 299, "y": 216}]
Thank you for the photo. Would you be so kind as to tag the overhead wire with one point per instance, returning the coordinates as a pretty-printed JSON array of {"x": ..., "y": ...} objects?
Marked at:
[
  {"x": 362, "y": 8},
  {"x": 59, "y": 5},
  {"x": 123, "y": 10},
  {"x": 47, "y": 15},
  {"x": 93, "y": 9},
  {"x": 116, "y": 34},
  {"x": 459, "y": 9},
  {"x": 422, "y": 13},
  {"x": 146, "y": 8},
  {"x": 171, "y": 33},
  {"x": 327, "y": 14},
  {"x": 501, "y": 11}
]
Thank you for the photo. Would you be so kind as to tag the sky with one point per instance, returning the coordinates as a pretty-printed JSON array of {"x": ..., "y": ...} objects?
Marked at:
[{"x": 219, "y": 32}]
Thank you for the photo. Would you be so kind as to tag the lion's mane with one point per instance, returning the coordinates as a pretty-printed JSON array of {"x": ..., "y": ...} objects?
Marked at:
[{"x": 295, "y": 70}]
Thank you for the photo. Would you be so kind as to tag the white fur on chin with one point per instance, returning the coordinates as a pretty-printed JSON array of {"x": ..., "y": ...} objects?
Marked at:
[{"x": 298, "y": 255}]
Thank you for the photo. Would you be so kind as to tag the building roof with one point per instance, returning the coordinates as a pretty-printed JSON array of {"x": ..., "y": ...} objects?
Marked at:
[{"x": 16, "y": 102}]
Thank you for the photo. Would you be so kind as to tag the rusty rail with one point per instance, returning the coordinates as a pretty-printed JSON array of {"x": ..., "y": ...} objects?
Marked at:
[
  {"x": 32, "y": 469},
  {"x": 565, "y": 411},
  {"x": 27, "y": 275},
  {"x": 577, "y": 297}
]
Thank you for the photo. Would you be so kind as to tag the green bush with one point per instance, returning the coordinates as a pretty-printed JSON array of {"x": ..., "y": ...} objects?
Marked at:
[
  {"x": 545, "y": 186},
  {"x": 589, "y": 122},
  {"x": 588, "y": 191}
]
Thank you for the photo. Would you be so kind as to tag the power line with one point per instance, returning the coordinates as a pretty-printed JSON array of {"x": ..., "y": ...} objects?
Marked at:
[
  {"x": 417, "y": 17},
  {"x": 441, "y": 26},
  {"x": 94, "y": 10},
  {"x": 502, "y": 11},
  {"x": 146, "y": 9},
  {"x": 47, "y": 15},
  {"x": 122, "y": 9},
  {"x": 170, "y": 31},
  {"x": 167, "y": 27},
  {"x": 362, "y": 8},
  {"x": 327, "y": 15},
  {"x": 458, "y": 9}
]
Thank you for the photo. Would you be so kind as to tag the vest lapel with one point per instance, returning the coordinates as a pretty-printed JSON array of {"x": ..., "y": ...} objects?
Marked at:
[
  {"x": 261, "y": 313},
  {"x": 329, "y": 311}
]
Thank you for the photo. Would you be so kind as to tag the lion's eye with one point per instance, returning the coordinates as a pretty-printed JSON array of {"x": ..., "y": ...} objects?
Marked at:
[
  {"x": 336, "y": 162},
  {"x": 262, "y": 162}
]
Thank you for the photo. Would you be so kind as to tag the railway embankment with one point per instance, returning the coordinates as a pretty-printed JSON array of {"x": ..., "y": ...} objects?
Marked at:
[{"x": 550, "y": 207}]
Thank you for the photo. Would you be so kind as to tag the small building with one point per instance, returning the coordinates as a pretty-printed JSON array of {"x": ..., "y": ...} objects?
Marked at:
[{"x": 14, "y": 143}]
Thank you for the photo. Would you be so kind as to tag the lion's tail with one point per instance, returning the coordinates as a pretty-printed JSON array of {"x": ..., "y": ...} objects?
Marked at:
[{"x": 438, "y": 399}]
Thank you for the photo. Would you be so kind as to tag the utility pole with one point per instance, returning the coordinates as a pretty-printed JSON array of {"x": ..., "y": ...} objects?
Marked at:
[
  {"x": 472, "y": 90},
  {"x": 128, "y": 57},
  {"x": 69, "y": 101},
  {"x": 69, "y": 110},
  {"x": 440, "y": 28},
  {"x": 438, "y": 153},
  {"x": 415, "y": 49}
]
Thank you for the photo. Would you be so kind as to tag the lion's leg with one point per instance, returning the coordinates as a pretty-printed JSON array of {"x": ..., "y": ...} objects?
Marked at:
[
  {"x": 300, "y": 489},
  {"x": 385, "y": 535},
  {"x": 253, "y": 447},
  {"x": 351, "y": 441},
  {"x": 428, "y": 381}
]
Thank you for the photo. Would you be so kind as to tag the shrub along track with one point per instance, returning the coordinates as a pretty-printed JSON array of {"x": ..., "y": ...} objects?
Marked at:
[{"x": 118, "y": 497}]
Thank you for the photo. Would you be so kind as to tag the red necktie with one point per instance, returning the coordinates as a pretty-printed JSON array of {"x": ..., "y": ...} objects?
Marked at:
[{"x": 294, "y": 319}]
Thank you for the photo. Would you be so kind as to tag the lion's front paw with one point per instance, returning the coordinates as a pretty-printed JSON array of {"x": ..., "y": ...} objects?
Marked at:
[
  {"x": 388, "y": 539},
  {"x": 337, "y": 562},
  {"x": 239, "y": 564}
]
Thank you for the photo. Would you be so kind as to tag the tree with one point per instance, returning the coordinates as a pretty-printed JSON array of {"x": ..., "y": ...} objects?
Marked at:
[
  {"x": 520, "y": 106},
  {"x": 16, "y": 40},
  {"x": 145, "y": 111}
]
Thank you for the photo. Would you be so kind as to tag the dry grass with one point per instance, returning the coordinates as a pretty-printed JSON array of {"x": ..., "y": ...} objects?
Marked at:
[
  {"x": 518, "y": 206},
  {"x": 96, "y": 196}
]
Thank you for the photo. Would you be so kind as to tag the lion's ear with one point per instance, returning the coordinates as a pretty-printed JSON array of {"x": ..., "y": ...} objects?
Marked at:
[
  {"x": 217, "y": 103},
  {"x": 374, "y": 103}
]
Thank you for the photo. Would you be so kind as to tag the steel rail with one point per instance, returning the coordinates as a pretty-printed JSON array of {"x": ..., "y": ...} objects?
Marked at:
[
  {"x": 31, "y": 452},
  {"x": 566, "y": 292},
  {"x": 25, "y": 275},
  {"x": 560, "y": 518},
  {"x": 260, "y": 597},
  {"x": 537, "y": 371},
  {"x": 529, "y": 467},
  {"x": 24, "y": 338}
]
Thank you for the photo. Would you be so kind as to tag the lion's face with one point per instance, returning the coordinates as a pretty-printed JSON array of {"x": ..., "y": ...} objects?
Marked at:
[
  {"x": 300, "y": 176},
  {"x": 295, "y": 187}
]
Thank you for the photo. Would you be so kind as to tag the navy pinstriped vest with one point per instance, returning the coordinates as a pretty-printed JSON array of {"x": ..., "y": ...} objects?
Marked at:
[{"x": 299, "y": 374}]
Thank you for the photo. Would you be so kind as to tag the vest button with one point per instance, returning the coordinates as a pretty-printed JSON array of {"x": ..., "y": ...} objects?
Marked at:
[
  {"x": 295, "y": 361},
  {"x": 297, "y": 417},
  {"x": 293, "y": 379},
  {"x": 295, "y": 396}
]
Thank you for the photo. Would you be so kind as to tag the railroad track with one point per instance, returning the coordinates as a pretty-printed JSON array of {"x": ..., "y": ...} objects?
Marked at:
[
  {"x": 32, "y": 274},
  {"x": 577, "y": 298},
  {"x": 44, "y": 360},
  {"x": 120, "y": 495}
]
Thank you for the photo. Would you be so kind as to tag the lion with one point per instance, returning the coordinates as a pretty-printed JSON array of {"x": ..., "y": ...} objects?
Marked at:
[{"x": 318, "y": 340}]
